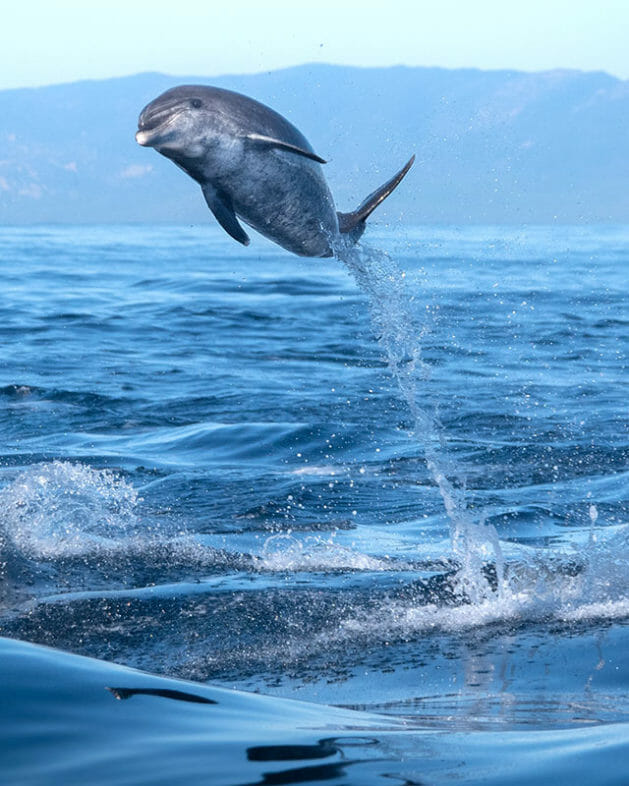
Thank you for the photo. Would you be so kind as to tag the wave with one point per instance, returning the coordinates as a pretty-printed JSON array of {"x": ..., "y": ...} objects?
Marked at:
[
  {"x": 83, "y": 522},
  {"x": 67, "y": 527},
  {"x": 106, "y": 723}
]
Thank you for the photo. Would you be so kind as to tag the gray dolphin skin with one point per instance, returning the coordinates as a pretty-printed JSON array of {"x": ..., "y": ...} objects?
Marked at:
[{"x": 252, "y": 164}]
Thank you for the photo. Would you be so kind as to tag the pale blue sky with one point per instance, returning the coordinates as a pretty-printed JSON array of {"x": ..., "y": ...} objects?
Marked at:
[{"x": 48, "y": 41}]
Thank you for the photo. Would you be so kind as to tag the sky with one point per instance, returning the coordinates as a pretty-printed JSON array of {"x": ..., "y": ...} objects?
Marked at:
[{"x": 51, "y": 41}]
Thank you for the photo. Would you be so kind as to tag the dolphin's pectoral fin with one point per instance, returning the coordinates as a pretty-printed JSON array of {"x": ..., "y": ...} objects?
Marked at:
[
  {"x": 354, "y": 223},
  {"x": 220, "y": 204},
  {"x": 271, "y": 142}
]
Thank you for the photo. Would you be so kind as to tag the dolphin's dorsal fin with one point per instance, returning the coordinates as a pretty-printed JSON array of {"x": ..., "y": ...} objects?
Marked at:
[
  {"x": 269, "y": 140},
  {"x": 354, "y": 223},
  {"x": 220, "y": 204}
]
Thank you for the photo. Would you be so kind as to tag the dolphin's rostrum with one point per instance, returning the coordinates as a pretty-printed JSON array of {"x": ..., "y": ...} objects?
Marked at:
[{"x": 252, "y": 164}]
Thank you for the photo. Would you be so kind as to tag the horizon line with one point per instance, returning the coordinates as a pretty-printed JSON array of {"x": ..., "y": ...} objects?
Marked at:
[{"x": 317, "y": 64}]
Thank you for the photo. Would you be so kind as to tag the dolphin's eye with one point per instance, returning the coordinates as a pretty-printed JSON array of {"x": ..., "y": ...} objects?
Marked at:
[{"x": 196, "y": 103}]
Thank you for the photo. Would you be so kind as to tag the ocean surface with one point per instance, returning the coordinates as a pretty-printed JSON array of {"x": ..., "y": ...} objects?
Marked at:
[{"x": 284, "y": 521}]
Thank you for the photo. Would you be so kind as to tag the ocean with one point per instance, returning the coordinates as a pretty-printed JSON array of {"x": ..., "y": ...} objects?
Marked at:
[{"x": 270, "y": 520}]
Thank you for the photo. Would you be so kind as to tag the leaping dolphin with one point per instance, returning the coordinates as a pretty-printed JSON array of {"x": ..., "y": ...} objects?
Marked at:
[{"x": 252, "y": 164}]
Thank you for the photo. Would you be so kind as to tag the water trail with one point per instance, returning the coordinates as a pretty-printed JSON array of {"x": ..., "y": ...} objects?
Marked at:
[{"x": 475, "y": 544}]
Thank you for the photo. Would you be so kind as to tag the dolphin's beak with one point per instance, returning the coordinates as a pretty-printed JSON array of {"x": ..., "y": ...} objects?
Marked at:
[
  {"x": 155, "y": 125},
  {"x": 143, "y": 138}
]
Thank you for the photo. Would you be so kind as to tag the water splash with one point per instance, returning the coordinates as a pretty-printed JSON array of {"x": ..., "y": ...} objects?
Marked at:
[
  {"x": 67, "y": 527},
  {"x": 474, "y": 543},
  {"x": 65, "y": 509},
  {"x": 285, "y": 552},
  {"x": 574, "y": 587}
]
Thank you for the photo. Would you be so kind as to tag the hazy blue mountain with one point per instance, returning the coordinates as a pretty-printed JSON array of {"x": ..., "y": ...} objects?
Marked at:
[{"x": 492, "y": 146}]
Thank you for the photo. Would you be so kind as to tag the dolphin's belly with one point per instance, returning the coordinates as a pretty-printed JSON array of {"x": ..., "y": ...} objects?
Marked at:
[{"x": 285, "y": 197}]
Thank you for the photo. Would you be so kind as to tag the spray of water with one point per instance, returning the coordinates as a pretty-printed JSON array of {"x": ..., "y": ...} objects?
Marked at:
[
  {"x": 56, "y": 513},
  {"x": 64, "y": 509},
  {"x": 475, "y": 544}
]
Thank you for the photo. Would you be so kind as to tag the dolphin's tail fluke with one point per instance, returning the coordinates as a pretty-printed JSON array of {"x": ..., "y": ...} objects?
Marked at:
[{"x": 353, "y": 224}]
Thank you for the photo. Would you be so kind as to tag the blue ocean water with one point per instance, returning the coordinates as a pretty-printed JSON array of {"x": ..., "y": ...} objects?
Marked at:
[{"x": 393, "y": 488}]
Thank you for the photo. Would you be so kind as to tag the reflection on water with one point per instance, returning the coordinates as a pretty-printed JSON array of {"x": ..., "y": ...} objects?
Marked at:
[
  {"x": 162, "y": 693},
  {"x": 327, "y": 748},
  {"x": 321, "y": 750}
]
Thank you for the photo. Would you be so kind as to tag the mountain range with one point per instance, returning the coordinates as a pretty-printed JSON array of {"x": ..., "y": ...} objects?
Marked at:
[{"x": 491, "y": 146}]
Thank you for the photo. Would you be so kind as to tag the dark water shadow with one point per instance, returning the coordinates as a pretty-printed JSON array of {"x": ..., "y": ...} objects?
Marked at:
[
  {"x": 177, "y": 695},
  {"x": 325, "y": 748}
]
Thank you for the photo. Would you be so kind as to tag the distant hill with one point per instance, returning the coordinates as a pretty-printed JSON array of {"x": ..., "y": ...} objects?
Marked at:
[{"x": 492, "y": 146}]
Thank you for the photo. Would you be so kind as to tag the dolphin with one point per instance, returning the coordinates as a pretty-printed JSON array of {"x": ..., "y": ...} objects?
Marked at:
[{"x": 253, "y": 165}]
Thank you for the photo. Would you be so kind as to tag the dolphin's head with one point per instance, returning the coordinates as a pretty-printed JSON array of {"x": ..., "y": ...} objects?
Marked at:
[{"x": 177, "y": 123}]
